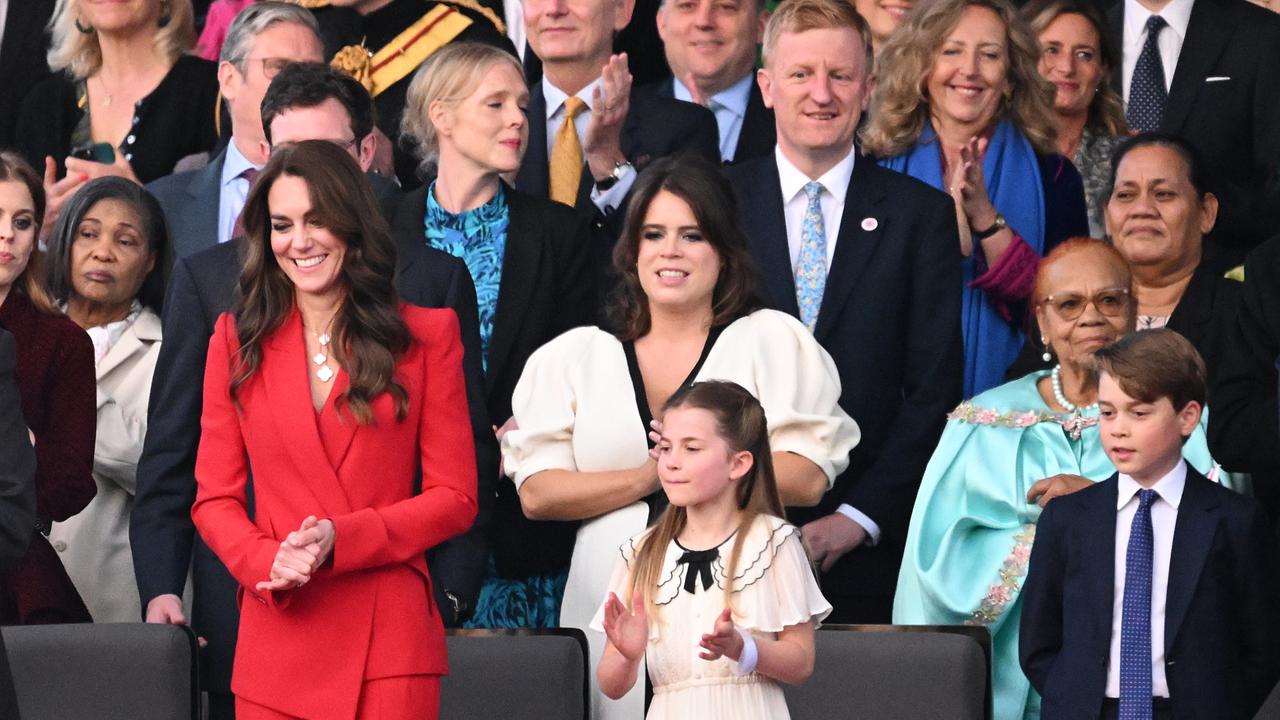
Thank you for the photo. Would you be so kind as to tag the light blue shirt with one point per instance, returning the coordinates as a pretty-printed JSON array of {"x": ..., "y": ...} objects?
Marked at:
[
  {"x": 612, "y": 198},
  {"x": 233, "y": 191},
  {"x": 730, "y": 107}
]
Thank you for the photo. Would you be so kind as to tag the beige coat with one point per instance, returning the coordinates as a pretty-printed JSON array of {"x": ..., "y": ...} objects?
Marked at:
[{"x": 94, "y": 544}]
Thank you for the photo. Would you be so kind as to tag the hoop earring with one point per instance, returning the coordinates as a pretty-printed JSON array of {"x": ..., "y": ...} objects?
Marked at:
[
  {"x": 86, "y": 29},
  {"x": 163, "y": 22}
]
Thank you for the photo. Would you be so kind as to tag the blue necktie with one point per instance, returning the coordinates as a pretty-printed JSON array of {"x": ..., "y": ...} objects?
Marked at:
[
  {"x": 1147, "y": 90},
  {"x": 1135, "y": 622},
  {"x": 811, "y": 267}
]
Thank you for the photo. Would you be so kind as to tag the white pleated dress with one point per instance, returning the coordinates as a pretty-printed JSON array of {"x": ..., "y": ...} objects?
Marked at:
[{"x": 774, "y": 587}]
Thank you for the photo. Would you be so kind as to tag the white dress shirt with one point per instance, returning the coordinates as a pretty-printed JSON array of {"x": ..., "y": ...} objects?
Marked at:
[
  {"x": 835, "y": 185},
  {"x": 513, "y": 17},
  {"x": 1164, "y": 517},
  {"x": 233, "y": 191},
  {"x": 730, "y": 107},
  {"x": 4, "y": 17},
  {"x": 1177, "y": 14},
  {"x": 555, "y": 97}
]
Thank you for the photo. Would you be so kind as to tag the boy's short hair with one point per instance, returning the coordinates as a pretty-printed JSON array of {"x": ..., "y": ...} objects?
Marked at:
[{"x": 1153, "y": 364}]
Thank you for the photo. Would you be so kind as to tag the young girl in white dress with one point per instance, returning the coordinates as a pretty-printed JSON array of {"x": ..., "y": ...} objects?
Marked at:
[{"x": 723, "y": 602}]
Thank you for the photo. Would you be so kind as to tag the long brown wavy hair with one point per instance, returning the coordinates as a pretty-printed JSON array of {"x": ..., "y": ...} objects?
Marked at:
[
  {"x": 1106, "y": 111},
  {"x": 711, "y": 198},
  {"x": 369, "y": 334},
  {"x": 741, "y": 422},
  {"x": 900, "y": 104},
  {"x": 30, "y": 282}
]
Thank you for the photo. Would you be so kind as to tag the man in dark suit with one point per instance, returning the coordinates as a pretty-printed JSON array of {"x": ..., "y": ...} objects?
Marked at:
[
  {"x": 24, "y": 42},
  {"x": 203, "y": 286},
  {"x": 884, "y": 251},
  {"x": 711, "y": 48},
  {"x": 1151, "y": 594},
  {"x": 590, "y": 161},
  {"x": 201, "y": 206},
  {"x": 1205, "y": 70},
  {"x": 17, "y": 493}
]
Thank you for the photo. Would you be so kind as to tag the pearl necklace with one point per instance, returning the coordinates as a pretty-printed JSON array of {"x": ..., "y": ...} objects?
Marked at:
[
  {"x": 323, "y": 373},
  {"x": 1056, "y": 380}
]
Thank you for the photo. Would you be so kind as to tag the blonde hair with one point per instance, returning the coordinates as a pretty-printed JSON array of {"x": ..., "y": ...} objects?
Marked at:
[
  {"x": 78, "y": 53},
  {"x": 1106, "y": 110},
  {"x": 741, "y": 422},
  {"x": 797, "y": 16},
  {"x": 449, "y": 76},
  {"x": 900, "y": 104}
]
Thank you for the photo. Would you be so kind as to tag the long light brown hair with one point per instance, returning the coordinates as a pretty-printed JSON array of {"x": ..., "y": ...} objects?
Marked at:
[
  {"x": 741, "y": 422},
  {"x": 30, "y": 283},
  {"x": 369, "y": 334},
  {"x": 1106, "y": 110},
  {"x": 900, "y": 104}
]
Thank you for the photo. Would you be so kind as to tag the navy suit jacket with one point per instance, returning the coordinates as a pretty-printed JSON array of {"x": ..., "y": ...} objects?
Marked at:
[
  {"x": 1221, "y": 637},
  {"x": 759, "y": 132},
  {"x": 161, "y": 532},
  {"x": 890, "y": 318}
]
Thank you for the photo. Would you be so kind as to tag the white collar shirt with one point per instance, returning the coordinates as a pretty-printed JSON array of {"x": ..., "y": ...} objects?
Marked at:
[
  {"x": 835, "y": 184},
  {"x": 1177, "y": 13},
  {"x": 1164, "y": 518},
  {"x": 233, "y": 190}
]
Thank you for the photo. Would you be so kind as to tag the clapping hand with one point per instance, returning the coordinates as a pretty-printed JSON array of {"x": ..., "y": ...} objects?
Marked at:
[
  {"x": 609, "y": 104},
  {"x": 300, "y": 555},
  {"x": 968, "y": 187},
  {"x": 723, "y": 640},
  {"x": 627, "y": 630}
]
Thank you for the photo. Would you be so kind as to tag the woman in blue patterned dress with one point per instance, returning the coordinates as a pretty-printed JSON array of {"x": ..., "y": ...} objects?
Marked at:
[{"x": 530, "y": 260}]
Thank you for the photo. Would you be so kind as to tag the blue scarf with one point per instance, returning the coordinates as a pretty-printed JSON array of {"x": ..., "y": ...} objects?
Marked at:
[{"x": 1013, "y": 181}]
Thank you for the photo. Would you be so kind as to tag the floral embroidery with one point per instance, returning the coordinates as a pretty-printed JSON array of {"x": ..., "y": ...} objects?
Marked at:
[
  {"x": 967, "y": 412},
  {"x": 1003, "y": 591}
]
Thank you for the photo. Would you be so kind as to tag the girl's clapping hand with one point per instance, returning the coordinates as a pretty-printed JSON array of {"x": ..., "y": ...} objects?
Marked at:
[
  {"x": 627, "y": 630},
  {"x": 724, "y": 639}
]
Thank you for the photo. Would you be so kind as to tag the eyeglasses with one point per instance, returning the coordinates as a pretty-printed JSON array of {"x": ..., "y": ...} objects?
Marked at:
[
  {"x": 271, "y": 66},
  {"x": 1111, "y": 302}
]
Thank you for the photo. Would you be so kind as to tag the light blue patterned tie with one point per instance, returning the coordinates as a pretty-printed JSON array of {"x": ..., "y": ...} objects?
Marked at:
[
  {"x": 811, "y": 267},
  {"x": 1135, "y": 618}
]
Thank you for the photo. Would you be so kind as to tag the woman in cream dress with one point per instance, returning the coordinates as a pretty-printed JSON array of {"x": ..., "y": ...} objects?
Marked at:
[{"x": 685, "y": 311}]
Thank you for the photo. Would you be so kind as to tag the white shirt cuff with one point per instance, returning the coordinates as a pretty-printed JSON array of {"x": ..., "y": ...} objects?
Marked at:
[
  {"x": 873, "y": 530},
  {"x": 611, "y": 199}
]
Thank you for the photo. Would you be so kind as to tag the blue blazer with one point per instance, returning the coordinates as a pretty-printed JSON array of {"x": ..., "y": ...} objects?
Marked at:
[{"x": 1222, "y": 639}]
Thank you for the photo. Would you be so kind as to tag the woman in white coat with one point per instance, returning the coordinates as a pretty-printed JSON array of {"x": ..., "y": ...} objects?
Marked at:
[{"x": 107, "y": 260}]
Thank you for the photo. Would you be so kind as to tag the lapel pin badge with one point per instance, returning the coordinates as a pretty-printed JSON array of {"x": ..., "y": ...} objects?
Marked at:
[{"x": 870, "y": 224}]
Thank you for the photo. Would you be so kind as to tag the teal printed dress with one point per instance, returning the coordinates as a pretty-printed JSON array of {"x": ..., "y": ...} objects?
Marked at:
[{"x": 972, "y": 528}]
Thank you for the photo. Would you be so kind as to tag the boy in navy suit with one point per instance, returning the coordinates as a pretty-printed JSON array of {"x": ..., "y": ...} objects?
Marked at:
[{"x": 1152, "y": 594}]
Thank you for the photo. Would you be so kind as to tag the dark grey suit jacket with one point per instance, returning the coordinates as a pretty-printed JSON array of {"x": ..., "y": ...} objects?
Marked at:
[{"x": 759, "y": 132}]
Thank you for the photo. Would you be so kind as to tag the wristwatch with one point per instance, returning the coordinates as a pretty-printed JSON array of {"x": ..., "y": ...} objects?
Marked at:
[
  {"x": 996, "y": 227},
  {"x": 620, "y": 171}
]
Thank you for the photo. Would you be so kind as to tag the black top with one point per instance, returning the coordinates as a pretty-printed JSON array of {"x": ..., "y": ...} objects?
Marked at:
[
  {"x": 22, "y": 58},
  {"x": 174, "y": 121},
  {"x": 340, "y": 27}
]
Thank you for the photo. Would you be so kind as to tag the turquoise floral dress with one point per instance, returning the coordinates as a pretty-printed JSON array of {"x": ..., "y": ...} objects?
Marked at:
[
  {"x": 972, "y": 528},
  {"x": 479, "y": 238}
]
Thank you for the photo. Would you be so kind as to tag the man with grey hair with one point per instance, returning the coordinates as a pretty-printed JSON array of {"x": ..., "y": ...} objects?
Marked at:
[{"x": 202, "y": 206}]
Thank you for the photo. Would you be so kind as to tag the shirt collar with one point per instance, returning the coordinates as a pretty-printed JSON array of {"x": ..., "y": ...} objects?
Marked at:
[
  {"x": 1168, "y": 487},
  {"x": 235, "y": 163},
  {"x": 1177, "y": 13},
  {"x": 555, "y": 97},
  {"x": 734, "y": 98},
  {"x": 834, "y": 181}
]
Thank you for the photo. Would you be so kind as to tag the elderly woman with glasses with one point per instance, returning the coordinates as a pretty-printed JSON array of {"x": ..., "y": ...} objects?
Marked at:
[{"x": 1007, "y": 452}]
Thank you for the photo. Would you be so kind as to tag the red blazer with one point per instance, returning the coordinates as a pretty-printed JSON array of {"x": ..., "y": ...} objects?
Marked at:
[{"x": 368, "y": 613}]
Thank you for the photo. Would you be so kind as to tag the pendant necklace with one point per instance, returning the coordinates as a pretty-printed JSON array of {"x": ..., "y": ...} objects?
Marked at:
[{"x": 323, "y": 372}]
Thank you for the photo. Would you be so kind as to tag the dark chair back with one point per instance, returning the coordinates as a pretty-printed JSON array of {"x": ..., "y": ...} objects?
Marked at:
[
  {"x": 111, "y": 671},
  {"x": 892, "y": 672},
  {"x": 515, "y": 673}
]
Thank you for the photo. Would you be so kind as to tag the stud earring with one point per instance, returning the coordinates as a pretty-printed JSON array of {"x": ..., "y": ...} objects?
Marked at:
[
  {"x": 163, "y": 22},
  {"x": 86, "y": 29}
]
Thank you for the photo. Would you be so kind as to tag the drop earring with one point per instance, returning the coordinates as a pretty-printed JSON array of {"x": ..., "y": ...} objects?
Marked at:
[
  {"x": 1045, "y": 355},
  {"x": 86, "y": 29}
]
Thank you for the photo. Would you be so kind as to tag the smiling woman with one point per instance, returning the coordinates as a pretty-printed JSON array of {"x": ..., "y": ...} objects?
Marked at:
[{"x": 961, "y": 106}]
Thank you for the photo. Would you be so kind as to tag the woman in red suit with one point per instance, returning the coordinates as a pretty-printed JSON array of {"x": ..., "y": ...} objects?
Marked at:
[{"x": 334, "y": 393}]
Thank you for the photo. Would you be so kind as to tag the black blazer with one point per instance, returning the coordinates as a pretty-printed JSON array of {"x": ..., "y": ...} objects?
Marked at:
[
  {"x": 190, "y": 201},
  {"x": 202, "y": 287},
  {"x": 1242, "y": 421},
  {"x": 1221, "y": 637},
  {"x": 548, "y": 287},
  {"x": 1231, "y": 120},
  {"x": 22, "y": 59},
  {"x": 890, "y": 319},
  {"x": 759, "y": 133}
]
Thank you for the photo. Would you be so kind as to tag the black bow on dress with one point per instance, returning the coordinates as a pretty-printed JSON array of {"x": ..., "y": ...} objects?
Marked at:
[{"x": 699, "y": 563}]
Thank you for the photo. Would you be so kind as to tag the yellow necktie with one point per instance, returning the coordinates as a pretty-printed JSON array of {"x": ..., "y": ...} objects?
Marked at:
[{"x": 566, "y": 156}]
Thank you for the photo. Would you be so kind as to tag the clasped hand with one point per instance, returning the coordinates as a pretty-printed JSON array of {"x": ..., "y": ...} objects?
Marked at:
[{"x": 301, "y": 553}]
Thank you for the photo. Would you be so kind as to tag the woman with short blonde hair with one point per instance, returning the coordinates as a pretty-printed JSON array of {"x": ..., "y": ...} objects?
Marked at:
[{"x": 961, "y": 106}]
